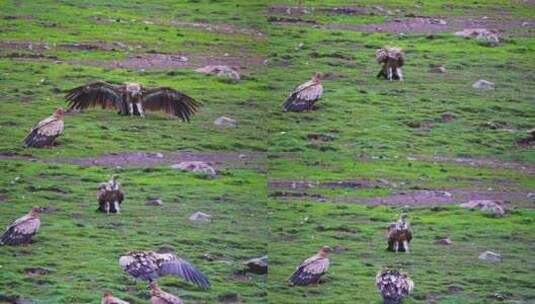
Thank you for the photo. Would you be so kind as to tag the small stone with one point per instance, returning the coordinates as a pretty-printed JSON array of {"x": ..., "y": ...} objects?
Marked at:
[
  {"x": 438, "y": 21},
  {"x": 437, "y": 69},
  {"x": 200, "y": 217},
  {"x": 445, "y": 241},
  {"x": 490, "y": 256},
  {"x": 225, "y": 122},
  {"x": 491, "y": 207},
  {"x": 231, "y": 297},
  {"x": 220, "y": 70},
  {"x": 448, "y": 116},
  {"x": 196, "y": 167},
  {"x": 154, "y": 202},
  {"x": 257, "y": 265},
  {"x": 482, "y": 84}
]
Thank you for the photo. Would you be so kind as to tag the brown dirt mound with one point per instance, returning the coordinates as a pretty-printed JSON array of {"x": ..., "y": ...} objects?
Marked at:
[
  {"x": 303, "y": 185},
  {"x": 479, "y": 163},
  {"x": 222, "y": 28}
]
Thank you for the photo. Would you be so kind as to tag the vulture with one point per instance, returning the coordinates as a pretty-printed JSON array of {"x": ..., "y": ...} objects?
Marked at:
[
  {"x": 399, "y": 235},
  {"x": 159, "y": 296},
  {"x": 132, "y": 98},
  {"x": 22, "y": 229},
  {"x": 311, "y": 270},
  {"x": 46, "y": 131},
  {"x": 392, "y": 59},
  {"x": 110, "y": 196},
  {"x": 393, "y": 285},
  {"x": 149, "y": 266},
  {"x": 108, "y": 298},
  {"x": 305, "y": 95}
]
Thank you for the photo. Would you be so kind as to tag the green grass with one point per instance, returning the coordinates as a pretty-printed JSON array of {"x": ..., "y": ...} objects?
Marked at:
[{"x": 374, "y": 138}]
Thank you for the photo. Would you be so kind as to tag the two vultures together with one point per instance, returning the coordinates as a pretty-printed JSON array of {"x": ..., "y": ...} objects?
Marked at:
[{"x": 134, "y": 99}]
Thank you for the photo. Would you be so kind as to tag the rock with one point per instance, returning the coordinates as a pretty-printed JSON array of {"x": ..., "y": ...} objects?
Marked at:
[
  {"x": 321, "y": 136},
  {"x": 437, "y": 69},
  {"x": 196, "y": 167},
  {"x": 482, "y": 35},
  {"x": 231, "y": 297},
  {"x": 257, "y": 265},
  {"x": 445, "y": 241},
  {"x": 490, "y": 256},
  {"x": 448, "y": 116},
  {"x": 438, "y": 21},
  {"x": 200, "y": 217},
  {"x": 482, "y": 84},
  {"x": 491, "y": 207},
  {"x": 225, "y": 122},
  {"x": 220, "y": 70},
  {"x": 36, "y": 271},
  {"x": 154, "y": 202}
]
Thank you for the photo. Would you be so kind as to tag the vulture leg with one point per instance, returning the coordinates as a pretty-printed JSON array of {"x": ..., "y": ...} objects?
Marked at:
[
  {"x": 117, "y": 208},
  {"x": 107, "y": 207},
  {"x": 131, "y": 108},
  {"x": 406, "y": 246},
  {"x": 140, "y": 109},
  {"x": 400, "y": 74},
  {"x": 389, "y": 72},
  {"x": 396, "y": 246}
]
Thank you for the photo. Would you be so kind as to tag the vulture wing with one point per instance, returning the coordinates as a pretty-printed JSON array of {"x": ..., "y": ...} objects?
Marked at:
[
  {"x": 170, "y": 101},
  {"x": 167, "y": 298},
  {"x": 98, "y": 93},
  {"x": 309, "y": 271},
  {"x": 21, "y": 231},
  {"x": 142, "y": 265},
  {"x": 44, "y": 132},
  {"x": 304, "y": 94},
  {"x": 171, "y": 265}
]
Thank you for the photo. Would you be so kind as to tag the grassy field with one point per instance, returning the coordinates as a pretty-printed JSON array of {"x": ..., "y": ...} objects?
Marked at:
[{"x": 391, "y": 138}]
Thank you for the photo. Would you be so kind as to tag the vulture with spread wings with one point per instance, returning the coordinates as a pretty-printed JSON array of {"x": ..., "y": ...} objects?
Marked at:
[
  {"x": 304, "y": 96},
  {"x": 132, "y": 98},
  {"x": 149, "y": 266},
  {"x": 159, "y": 296},
  {"x": 393, "y": 285},
  {"x": 46, "y": 131},
  {"x": 311, "y": 270},
  {"x": 22, "y": 229}
]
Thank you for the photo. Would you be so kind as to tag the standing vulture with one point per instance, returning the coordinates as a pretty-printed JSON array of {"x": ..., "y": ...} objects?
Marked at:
[
  {"x": 123, "y": 97},
  {"x": 149, "y": 266},
  {"x": 22, "y": 229},
  {"x": 392, "y": 59},
  {"x": 311, "y": 270},
  {"x": 46, "y": 131},
  {"x": 399, "y": 235},
  {"x": 108, "y": 298},
  {"x": 393, "y": 285},
  {"x": 159, "y": 296},
  {"x": 110, "y": 196},
  {"x": 304, "y": 96}
]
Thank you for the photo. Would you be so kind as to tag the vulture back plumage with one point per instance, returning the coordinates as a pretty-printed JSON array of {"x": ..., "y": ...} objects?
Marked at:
[
  {"x": 46, "y": 131},
  {"x": 21, "y": 231},
  {"x": 393, "y": 285},
  {"x": 149, "y": 266},
  {"x": 304, "y": 96},
  {"x": 312, "y": 269}
]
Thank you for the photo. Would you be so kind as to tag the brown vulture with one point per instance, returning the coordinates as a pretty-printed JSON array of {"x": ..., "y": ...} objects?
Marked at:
[
  {"x": 305, "y": 95},
  {"x": 159, "y": 296},
  {"x": 149, "y": 266},
  {"x": 110, "y": 196},
  {"x": 393, "y": 285},
  {"x": 132, "y": 98},
  {"x": 399, "y": 235},
  {"x": 311, "y": 270},
  {"x": 108, "y": 298},
  {"x": 392, "y": 59},
  {"x": 22, "y": 229},
  {"x": 46, "y": 131}
]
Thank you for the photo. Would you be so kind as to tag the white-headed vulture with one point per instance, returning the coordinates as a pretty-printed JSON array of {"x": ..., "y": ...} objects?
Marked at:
[
  {"x": 304, "y": 96},
  {"x": 21, "y": 231},
  {"x": 311, "y": 270},
  {"x": 46, "y": 131}
]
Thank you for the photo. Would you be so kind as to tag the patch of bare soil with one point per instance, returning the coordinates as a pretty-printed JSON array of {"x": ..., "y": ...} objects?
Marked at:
[
  {"x": 303, "y": 185},
  {"x": 290, "y": 20},
  {"x": 152, "y": 159},
  {"x": 343, "y": 10},
  {"x": 479, "y": 162},
  {"x": 221, "y": 28}
]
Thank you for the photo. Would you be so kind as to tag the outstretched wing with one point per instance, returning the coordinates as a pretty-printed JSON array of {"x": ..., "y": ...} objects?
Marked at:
[
  {"x": 98, "y": 93},
  {"x": 185, "y": 270},
  {"x": 170, "y": 101}
]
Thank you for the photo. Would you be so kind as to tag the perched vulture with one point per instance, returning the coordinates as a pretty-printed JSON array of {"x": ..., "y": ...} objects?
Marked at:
[
  {"x": 159, "y": 296},
  {"x": 399, "y": 235},
  {"x": 311, "y": 270},
  {"x": 393, "y": 285},
  {"x": 110, "y": 196},
  {"x": 22, "y": 229},
  {"x": 108, "y": 298},
  {"x": 123, "y": 97},
  {"x": 149, "y": 266},
  {"x": 46, "y": 131},
  {"x": 392, "y": 60},
  {"x": 304, "y": 96}
]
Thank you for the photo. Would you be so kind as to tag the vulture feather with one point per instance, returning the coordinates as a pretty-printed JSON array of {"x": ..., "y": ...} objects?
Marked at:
[
  {"x": 392, "y": 59},
  {"x": 132, "y": 99},
  {"x": 46, "y": 131},
  {"x": 312, "y": 269},
  {"x": 305, "y": 95},
  {"x": 108, "y": 298},
  {"x": 22, "y": 229},
  {"x": 399, "y": 235},
  {"x": 149, "y": 266},
  {"x": 110, "y": 196},
  {"x": 159, "y": 296},
  {"x": 393, "y": 285}
]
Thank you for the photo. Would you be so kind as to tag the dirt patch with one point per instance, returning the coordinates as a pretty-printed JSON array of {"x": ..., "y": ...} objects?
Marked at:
[
  {"x": 301, "y": 195},
  {"x": 152, "y": 159},
  {"x": 36, "y": 271},
  {"x": 303, "y": 185},
  {"x": 221, "y": 28},
  {"x": 289, "y": 20},
  {"x": 478, "y": 162},
  {"x": 341, "y": 10}
]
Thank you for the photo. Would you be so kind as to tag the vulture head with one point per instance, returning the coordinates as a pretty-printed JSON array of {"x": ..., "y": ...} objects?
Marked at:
[
  {"x": 133, "y": 89},
  {"x": 59, "y": 113},
  {"x": 317, "y": 77},
  {"x": 35, "y": 212},
  {"x": 154, "y": 288},
  {"x": 324, "y": 251},
  {"x": 107, "y": 293}
]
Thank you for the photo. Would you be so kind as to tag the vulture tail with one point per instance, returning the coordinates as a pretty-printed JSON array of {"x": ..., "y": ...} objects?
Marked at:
[
  {"x": 302, "y": 278},
  {"x": 36, "y": 140}
]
